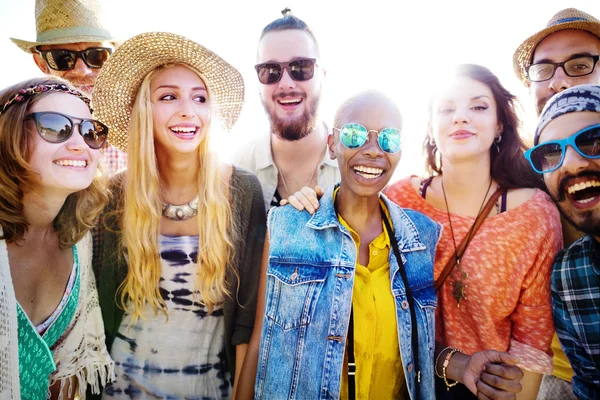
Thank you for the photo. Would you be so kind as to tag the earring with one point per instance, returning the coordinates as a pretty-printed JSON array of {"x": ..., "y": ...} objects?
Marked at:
[{"x": 497, "y": 142}]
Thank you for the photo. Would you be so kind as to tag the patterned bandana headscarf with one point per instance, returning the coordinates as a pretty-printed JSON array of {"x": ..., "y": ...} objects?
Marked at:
[{"x": 575, "y": 99}]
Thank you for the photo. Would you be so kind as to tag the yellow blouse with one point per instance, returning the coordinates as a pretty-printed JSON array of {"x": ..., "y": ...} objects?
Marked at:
[{"x": 379, "y": 371}]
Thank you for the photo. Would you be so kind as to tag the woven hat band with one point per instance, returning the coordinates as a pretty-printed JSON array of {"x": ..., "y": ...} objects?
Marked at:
[
  {"x": 565, "y": 20},
  {"x": 73, "y": 32}
]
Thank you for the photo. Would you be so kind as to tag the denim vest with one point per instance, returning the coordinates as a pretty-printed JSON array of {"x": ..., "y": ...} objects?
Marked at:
[{"x": 309, "y": 296}]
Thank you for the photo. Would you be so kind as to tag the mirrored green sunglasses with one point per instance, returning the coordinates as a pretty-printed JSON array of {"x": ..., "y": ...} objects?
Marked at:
[{"x": 354, "y": 136}]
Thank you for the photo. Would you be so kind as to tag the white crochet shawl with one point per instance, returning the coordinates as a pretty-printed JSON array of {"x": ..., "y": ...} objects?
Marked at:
[{"x": 80, "y": 354}]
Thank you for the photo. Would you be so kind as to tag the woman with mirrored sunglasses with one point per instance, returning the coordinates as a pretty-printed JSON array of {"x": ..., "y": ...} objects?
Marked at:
[
  {"x": 493, "y": 282},
  {"x": 346, "y": 308},
  {"x": 51, "y": 192}
]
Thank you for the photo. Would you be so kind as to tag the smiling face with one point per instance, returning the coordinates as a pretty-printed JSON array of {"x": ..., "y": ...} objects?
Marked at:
[
  {"x": 464, "y": 121},
  {"x": 81, "y": 76},
  {"x": 559, "y": 47},
  {"x": 366, "y": 170},
  {"x": 65, "y": 167},
  {"x": 180, "y": 110},
  {"x": 291, "y": 105},
  {"x": 575, "y": 185}
]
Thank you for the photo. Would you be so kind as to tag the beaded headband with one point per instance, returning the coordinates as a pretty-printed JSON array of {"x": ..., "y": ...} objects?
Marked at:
[{"x": 24, "y": 94}]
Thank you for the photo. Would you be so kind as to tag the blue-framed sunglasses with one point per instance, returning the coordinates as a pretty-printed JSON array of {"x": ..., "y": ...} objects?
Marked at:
[
  {"x": 354, "y": 136},
  {"x": 549, "y": 156}
]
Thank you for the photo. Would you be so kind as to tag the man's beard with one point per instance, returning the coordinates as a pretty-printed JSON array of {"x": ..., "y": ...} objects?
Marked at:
[
  {"x": 589, "y": 222},
  {"x": 299, "y": 127}
]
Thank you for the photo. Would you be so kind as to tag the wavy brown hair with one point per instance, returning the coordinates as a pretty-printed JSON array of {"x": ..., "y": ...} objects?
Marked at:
[
  {"x": 508, "y": 166},
  {"x": 80, "y": 210}
]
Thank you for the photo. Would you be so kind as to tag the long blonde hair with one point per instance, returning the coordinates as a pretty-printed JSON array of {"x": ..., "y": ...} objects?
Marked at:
[
  {"x": 140, "y": 219},
  {"x": 80, "y": 210}
]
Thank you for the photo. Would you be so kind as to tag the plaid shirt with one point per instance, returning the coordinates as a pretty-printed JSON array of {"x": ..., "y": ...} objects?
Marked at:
[
  {"x": 114, "y": 160},
  {"x": 576, "y": 309}
]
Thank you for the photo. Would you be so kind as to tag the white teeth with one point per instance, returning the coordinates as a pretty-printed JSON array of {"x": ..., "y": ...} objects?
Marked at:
[
  {"x": 368, "y": 170},
  {"x": 292, "y": 101},
  {"x": 181, "y": 129},
  {"x": 582, "y": 185},
  {"x": 71, "y": 163}
]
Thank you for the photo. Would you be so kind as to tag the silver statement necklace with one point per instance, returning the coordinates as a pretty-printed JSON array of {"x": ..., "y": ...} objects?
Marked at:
[{"x": 181, "y": 213}]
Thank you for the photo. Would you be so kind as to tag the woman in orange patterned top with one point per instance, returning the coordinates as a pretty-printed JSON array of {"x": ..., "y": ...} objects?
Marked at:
[{"x": 497, "y": 295}]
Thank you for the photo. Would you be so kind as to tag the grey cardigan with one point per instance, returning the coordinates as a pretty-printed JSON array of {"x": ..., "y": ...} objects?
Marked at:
[{"x": 239, "y": 312}]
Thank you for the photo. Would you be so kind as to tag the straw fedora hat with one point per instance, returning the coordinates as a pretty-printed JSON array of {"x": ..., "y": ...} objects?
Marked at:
[
  {"x": 121, "y": 76},
  {"x": 66, "y": 21},
  {"x": 570, "y": 18}
]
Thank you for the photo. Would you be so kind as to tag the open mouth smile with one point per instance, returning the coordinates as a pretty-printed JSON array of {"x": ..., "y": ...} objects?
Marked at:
[
  {"x": 368, "y": 172},
  {"x": 184, "y": 132},
  {"x": 583, "y": 192},
  {"x": 72, "y": 163}
]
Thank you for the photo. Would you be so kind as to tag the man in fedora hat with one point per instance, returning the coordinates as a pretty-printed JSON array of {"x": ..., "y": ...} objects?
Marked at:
[
  {"x": 72, "y": 43},
  {"x": 291, "y": 80},
  {"x": 566, "y": 154},
  {"x": 563, "y": 54}
]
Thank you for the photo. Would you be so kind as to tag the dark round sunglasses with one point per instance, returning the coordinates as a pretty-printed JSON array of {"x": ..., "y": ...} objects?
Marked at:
[
  {"x": 65, "y": 60},
  {"x": 299, "y": 70},
  {"x": 55, "y": 127},
  {"x": 549, "y": 156},
  {"x": 354, "y": 136}
]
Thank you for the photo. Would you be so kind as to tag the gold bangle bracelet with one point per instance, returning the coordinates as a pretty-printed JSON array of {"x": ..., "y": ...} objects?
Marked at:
[{"x": 445, "y": 365}]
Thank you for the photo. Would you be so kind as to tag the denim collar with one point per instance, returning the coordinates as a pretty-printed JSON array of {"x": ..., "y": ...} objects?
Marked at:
[{"x": 405, "y": 230}]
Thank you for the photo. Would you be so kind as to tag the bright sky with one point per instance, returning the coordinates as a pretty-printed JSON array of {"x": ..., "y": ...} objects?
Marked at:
[{"x": 397, "y": 47}]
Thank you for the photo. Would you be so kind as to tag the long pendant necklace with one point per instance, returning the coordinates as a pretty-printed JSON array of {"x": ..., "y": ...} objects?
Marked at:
[{"x": 458, "y": 274}]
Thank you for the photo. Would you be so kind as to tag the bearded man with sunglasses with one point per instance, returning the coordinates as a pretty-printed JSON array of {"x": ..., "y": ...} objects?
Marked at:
[
  {"x": 567, "y": 154},
  {"x": 563, "y": 54},
  {"x": 294, "y": 154},
  {"x": 72, "y": 44}
]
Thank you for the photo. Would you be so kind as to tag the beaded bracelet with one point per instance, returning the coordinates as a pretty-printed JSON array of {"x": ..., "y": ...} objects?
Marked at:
[
  {"x": 445, "y": 365},
  {"x": 437, "y": 359}
]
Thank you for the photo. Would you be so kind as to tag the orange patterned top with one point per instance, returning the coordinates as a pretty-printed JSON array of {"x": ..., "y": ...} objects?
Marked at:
[{"x": 508, "y": 261}]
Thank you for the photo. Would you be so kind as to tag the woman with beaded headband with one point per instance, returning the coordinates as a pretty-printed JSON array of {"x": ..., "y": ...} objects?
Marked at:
[
  {"x": 495, "y": 292},
  {"x": 183, "y": 232},
  {"x": 51, "y": 192}
]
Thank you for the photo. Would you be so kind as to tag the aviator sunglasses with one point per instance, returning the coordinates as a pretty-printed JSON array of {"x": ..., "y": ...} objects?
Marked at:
[
  {"x": 354, "y": 136},
  {"x": 549, "y": 156},
  {"x": 65, "y": 60},
  {"x": 55, "y": 127},
  {"x": 302, "y": 69}
]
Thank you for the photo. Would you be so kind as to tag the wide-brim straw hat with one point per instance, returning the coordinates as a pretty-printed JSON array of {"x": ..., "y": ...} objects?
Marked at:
[
  {"x": 570, "y": 18},
  {"x": 65, "y": 22},
  {"x": 121, "y": 76}
]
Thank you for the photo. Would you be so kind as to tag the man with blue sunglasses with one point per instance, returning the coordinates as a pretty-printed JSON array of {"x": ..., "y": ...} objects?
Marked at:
[{"x": 567, "y": 154}]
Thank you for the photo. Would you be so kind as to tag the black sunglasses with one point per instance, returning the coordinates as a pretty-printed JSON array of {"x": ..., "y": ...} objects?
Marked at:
[
  {"x": 549, "y": 156},
  {"x": 302, "y": 69},
  {"x": 65, "y": 60},
  {"x": 55, "y": 127}
]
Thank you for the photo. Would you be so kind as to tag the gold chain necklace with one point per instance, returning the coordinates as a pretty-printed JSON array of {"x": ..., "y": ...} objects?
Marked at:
[{"x": 458, "y": 274}]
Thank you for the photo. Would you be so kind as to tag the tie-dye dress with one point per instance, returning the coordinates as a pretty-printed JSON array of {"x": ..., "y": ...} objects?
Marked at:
[{"x": 179, "y": 358}]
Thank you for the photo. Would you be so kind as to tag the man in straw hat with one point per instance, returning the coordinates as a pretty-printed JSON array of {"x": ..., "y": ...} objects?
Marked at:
[
  {"x": 72, "y": 43},
  {"x": 563, "y": 54},
  {"x": 567, "y": 154},
  {"x": 291, "y": 81}
]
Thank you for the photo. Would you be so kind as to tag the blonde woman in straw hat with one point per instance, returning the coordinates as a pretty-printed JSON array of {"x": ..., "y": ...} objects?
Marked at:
[
  {"x": 72, "y": 43},
  {"x": 563, "y": 54},
  {"x": 184, "y": 233},
  {"x": 51, "y": 332}
]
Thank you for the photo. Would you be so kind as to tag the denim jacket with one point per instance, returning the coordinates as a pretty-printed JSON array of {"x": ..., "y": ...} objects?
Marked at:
[{"x": 309, "y": 297}]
